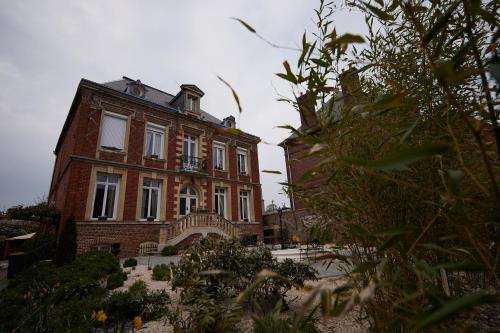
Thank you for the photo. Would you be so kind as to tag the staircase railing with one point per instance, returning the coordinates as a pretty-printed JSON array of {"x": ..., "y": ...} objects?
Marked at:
[{"x": 198, "y": 220}]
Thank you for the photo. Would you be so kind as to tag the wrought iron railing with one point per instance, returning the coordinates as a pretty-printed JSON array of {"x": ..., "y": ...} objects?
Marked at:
[{"x": 191, "y": 163}]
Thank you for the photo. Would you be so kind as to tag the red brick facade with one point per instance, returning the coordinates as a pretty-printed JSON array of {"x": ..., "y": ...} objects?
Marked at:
[{"x": 79, "y": 157}]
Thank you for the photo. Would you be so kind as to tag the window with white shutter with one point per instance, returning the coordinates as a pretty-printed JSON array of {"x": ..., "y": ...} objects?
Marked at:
[{"x": 113, "y": 131}]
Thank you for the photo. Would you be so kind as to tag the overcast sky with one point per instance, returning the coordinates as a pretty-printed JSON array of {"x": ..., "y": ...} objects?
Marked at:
[{"x": 48, "y": 46}]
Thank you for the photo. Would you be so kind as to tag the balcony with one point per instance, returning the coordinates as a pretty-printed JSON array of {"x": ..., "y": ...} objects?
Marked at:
[{"x": 193, "y": 164}]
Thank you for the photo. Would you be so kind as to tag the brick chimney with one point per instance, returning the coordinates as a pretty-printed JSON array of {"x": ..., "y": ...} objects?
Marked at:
[
  {"x": 351, "y": 87},
  {"x": 308, "y": 117}
]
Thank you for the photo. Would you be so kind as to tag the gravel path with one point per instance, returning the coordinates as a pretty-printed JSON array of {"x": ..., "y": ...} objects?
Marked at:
[{"x": 295, "y": 299}]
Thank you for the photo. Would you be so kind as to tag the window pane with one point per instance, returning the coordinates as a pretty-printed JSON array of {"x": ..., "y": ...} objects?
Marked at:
[
  {"x": 149, "y": 143},
  {"x": 192, "y": 152},
  {"x": 221, "y": 207},
  {"x": 185, "y": 149},
  {"x": 154, "y": 203},
  {"x": 113, "y": 132},
  {"x": 182, "y": 206},
  {"x": 102, "y": 178},
  {"x": 113, "y": 179},
  {"x": 145, "y": 203},
  {"x": 98, "y": 201},
  {"x": 192, "y": 204},
  {"x": 158, "y": 140},
  {"x": 216, "y": 203},
  {"x": 110, "y": 201},
  {"x": 146, "y": 182}
]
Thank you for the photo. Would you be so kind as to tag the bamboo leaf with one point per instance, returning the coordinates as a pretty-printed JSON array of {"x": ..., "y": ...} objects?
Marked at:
[
  {"x": 272, "y": 171},
  {"x": 455, "y": 306},
  {"x": 380, "y": 13},
  {"x": 439, "y": 24},
  {"x": 246, "y": 25},
  {"x": 345, "y": 39},
  {"x": 235, "y": 95}
]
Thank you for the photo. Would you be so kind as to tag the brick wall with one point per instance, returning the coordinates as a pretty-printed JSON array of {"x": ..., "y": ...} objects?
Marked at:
[{"x": 129, "y": 235}]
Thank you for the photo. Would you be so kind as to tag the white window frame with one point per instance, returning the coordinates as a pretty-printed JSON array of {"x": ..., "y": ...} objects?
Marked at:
[
  {"x": 105, "y": 197},
  {"x": 155, "y": 129},
  {"x": 118, "y": 116},
  {"x": 219, "y": 147},
  {"x": 220, "y": 196},
  {"x": 150, "y": 189},
  {"x": 242, "y": 153},
  {"x": 244, "y": 201}
]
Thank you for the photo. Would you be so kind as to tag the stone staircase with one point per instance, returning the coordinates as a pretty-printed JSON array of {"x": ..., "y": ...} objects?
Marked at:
[{"x": 196, "y": 223}]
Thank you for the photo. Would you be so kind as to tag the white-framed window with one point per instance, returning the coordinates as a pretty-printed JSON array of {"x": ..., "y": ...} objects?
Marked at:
[
  {"x": 188, "y": 200},
  {"x": 244, "y": 206},
  {"x": 105, "y": 197},
  {"x": 219, "y": 156},
  {"x": 242, "y": 161},
  {"x": 150, "y": 208},
  {"x": 190, "y": 152},
  {"x": 220, "y": 201},
  {"x": 191, "y": 103},
  {"x": 113, "y": 131},
  {"x": 154, "y": 141}
]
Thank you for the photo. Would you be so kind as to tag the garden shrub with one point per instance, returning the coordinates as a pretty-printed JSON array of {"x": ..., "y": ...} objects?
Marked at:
[
  {"x": 66, "y": 246},
  {"x": 41, "y": 211},
  {"x": 138, "y": 288},
  {"x": 46, "y": 298},
  {"x": 115, "y": 280},
  {"x": 17, "y": 228},
  {"x": 169, "y": 250},
  {"x": 162, "y": 272},
  {"x": 130, "y": 262},
  {"x": 212, "y": 273}
]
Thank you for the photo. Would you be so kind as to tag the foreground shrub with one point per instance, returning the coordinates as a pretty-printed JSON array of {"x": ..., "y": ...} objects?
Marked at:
[
  {"x": 46, "y": 298},
  {"x": 130, "y": 262},
  {"x": 116, "y": 280},
  {"x": 212, "y": 273},
  {"x": 169, "y": 250},
  {"x": 17, "y": 228},
  {"x": 162, "y": 272}
]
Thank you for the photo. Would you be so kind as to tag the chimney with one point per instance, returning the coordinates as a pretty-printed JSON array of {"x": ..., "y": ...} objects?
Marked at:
[
  {"x": 229, "y": 122},
  {"x": 351, "y": 87},
  {"x": 306, "y": 104}
]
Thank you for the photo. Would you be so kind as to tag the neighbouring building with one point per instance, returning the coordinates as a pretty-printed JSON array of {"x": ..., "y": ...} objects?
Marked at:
[
  {"x": 136, "y": 165},
  {"x": 297, "y": 157}
]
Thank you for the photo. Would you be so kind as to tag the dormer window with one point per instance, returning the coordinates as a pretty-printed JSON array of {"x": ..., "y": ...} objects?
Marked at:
[
  {"x": 192, "y": 103},
  {"x": 136, "y": 88}
]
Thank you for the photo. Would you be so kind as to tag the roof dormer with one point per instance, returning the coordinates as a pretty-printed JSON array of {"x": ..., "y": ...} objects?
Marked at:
[
  {"x": 188, "y": 100},
  {"x": 229, "y": 122},
  {"x": 136, "y": 88}
]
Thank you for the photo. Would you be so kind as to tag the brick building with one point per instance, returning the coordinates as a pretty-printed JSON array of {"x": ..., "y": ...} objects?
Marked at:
[
  {"x": 135, "y": 164},
  {"x": 297, "y": 157}
]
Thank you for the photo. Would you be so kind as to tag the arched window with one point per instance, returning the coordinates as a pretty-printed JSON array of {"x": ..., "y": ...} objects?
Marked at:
[{"x": 188, "y": 200}]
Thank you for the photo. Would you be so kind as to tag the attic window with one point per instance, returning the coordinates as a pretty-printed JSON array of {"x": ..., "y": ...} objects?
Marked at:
[
  {"x": 136, "y": 89},
  {"x": 192, "y": 103}
]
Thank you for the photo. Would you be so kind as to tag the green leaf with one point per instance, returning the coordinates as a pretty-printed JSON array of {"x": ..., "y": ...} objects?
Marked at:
[
  {"x": 408, "y": 132},
  {"x": 246, "y": 25},
  {"x": 235, "y": 95},
  {"x": 400, "y": 159},
  {"x": 380, "y": 13},
  {"x": 451, "y": 308},
  {"x": 272, "y": 171},
  {"x": 439, "y": 24},
  {"x": 233, "y": 131},
  {"x": 345, "y": 39}
]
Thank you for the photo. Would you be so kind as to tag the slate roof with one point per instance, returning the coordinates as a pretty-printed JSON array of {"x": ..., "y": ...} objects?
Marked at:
[{"x": 156, "y": 96}]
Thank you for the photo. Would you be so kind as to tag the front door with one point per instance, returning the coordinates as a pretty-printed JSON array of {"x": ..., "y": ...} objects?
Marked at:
[{"x": 188, "y": 200}]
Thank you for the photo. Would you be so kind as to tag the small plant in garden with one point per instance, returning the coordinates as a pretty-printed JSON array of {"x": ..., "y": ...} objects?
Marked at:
[
  {"x": 130, "y": 262},
  {"x": 138, "y": 288},
  {"x": 162, "y": 272},
  {"x": 169, "y": 250}
]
